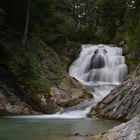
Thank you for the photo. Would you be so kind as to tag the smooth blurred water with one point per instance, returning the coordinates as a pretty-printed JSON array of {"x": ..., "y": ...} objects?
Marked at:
[
  {"x": 99, "y": 68},
  {"x": 99, "y": 64},
  {"x": 52, "y": 129}
]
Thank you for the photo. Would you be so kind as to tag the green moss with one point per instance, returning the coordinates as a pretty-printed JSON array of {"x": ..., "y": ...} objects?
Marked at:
[
  {"x": 96, "y": 112},
  {"x": 87, "y": 95},
  {"x": 39, "y": 87},
  {"x": 121, "y": 95}
]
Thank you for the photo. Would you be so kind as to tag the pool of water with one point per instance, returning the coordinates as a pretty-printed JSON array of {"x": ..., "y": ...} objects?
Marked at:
[{"x": 52, "y": 129}]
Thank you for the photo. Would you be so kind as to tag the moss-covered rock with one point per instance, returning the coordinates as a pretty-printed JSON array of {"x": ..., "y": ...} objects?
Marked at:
[{"x": 69, "y": 93}]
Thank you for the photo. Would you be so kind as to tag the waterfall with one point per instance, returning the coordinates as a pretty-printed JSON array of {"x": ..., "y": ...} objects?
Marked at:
[
  {"x": 99, "y": 64},
  {"x": 99, "y": 68}
]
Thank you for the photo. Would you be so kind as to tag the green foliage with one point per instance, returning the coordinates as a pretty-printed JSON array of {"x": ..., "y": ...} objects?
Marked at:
[
  {"x": 36, "y": 87},
  {"x": 69, "y": 53},
  {"x": 104, "y": 34},
  {"x": 87, "y": 34},
  {"x": 100, "y": 2},
  {"x": 32, "y": 70},
  {"x": 2, "y": 17},
  {"x": 59, "y": 24},
  {"x": 119, "y": 21}
]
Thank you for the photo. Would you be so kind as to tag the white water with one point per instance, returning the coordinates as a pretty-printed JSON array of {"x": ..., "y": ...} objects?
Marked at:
[
  {"x": 99, "y": 64},
  {"x": 99, "y": 68}
]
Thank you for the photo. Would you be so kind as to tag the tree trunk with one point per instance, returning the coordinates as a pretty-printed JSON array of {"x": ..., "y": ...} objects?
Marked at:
[{"x": 24, "y": 39}]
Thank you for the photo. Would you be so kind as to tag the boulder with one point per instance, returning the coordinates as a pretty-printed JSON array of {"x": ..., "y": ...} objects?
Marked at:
[{"x": 69, "y": 93}]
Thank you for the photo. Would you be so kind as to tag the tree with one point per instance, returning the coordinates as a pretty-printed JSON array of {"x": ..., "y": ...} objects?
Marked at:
[
  {"x": 110, "y": 14},
  {"x": 24, "y": 39}
]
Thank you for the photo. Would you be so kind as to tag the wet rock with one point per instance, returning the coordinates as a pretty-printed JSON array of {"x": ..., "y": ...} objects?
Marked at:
[
  {"x": 69, "y": 93},
  {"x": 123, "y": 102},
  {"x": 97, "y": 62},
  {"x": 125, "y": 131}
]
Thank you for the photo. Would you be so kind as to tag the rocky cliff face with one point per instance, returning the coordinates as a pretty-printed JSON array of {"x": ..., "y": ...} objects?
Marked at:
[
  {"x": 123, "y": 102},
  {"x": 125, "y": 131},
  {"x": 13, "y": 105},
  {"x": 67, "y": 94}
]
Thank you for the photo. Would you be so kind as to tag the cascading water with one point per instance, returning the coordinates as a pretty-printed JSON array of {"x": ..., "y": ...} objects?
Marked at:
[
  {"x": 99, "y": 64},
  {"x": 99, "y": 68}
]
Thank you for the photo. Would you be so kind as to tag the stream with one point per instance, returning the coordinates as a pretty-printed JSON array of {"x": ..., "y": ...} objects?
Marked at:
[
  {"x": 99, "y": 68},
  {"x": 51, "y": 129}
]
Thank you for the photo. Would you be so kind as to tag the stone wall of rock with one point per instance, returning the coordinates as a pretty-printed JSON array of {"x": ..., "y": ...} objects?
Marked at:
[{"x": 123, "y": 102}]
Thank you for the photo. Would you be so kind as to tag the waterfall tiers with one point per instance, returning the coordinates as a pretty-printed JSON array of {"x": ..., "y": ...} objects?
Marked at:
[
  {"x": 99, "y": 64},
  {"x": 100, "y": 68}
]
